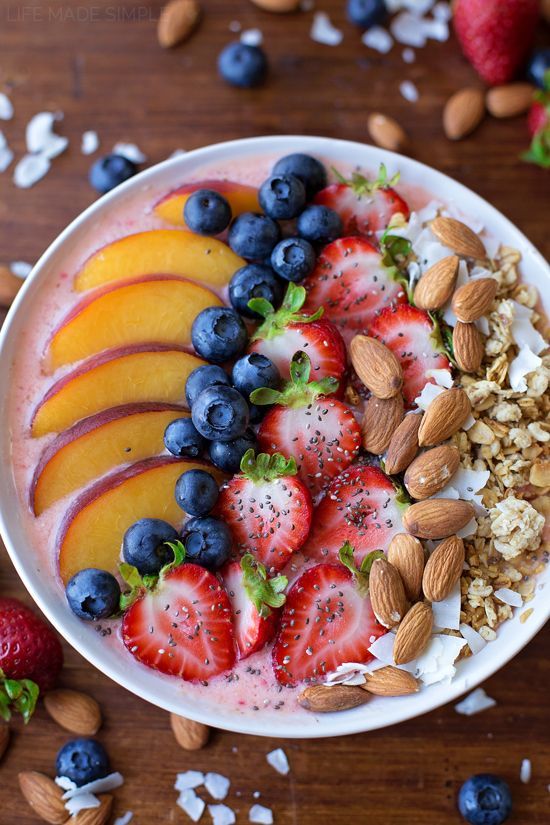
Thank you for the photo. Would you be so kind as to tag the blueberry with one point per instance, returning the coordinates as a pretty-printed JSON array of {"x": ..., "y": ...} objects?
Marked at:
[
  {"x": 293, "y": 259},
  {"x": 182, "y": 438},
  {"x": 207, "y": 212},
  {"x": 219, "y": 334},
  {"x": 144, "y": 545},
  {"x": 253, "y": 371},
  {"x": 93, "y": 594},
  {"x": 366, "y": 13},
  {"x": 243, "y": 65},
  {"x": 200, "y": 378},
  {"x": 257, "y": 412},
  {"x": 227, "y": 455},
  {"x": 485, "y": 799},
  {"x": 311, "y": 171},
  {"x": 207, "y": 542},
  {"x": 197, "y": 492},
  {"x": 282, "y": 196},
  {"x": 319, "y": 224},
  {"x": 110, "y": 171},
  {"x": 253, "y": 236},
  {"x": 254, "y": 281},
  {"x": 82, "y": 760},
  {"x": 220, "y": 413},
  {"x": 537, "y": 65}
]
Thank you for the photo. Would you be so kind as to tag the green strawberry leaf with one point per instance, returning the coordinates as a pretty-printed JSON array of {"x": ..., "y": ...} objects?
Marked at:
[
  {"x": 276, "y": 321},
  {"x": 395, "y": 252},
  {"x": 265, "y": 467},
  {"x": 19, "y": 695},
  {"x": 363, "y": 186},
  {"x": 263, "y": 592},
  {"x": 539, "y": 151},
  {"x": 441, "y": 337},
  {"x": 299, "y": 390},
  {"x": 360, "y": 574},
  {"x": 138, "y": 584}
]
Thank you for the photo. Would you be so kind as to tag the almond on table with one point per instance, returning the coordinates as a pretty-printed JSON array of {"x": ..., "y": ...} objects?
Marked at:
[
  {"x": 463, "y": 113},
  {"x": 74, "y": 711},
  {"x": 190, "y": 735}
]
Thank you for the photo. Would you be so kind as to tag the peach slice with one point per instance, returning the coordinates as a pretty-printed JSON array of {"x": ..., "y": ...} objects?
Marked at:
[
  {"x": 169, "y": 251},
  {"x": 97, "y": 445},
  {"x": 92, "y": 529},
  {"x": 149, "y": 372},
  {"x": 242, "y": 198},
  {"x": 160, "y": 309}
]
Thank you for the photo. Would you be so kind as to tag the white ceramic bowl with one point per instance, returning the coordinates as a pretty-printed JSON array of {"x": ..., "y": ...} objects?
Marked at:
[{"x": 114, "y": 662}]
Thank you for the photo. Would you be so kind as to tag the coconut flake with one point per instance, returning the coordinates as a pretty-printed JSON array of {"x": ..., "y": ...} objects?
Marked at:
[
  {"x": 260, "y": 815},
  {"x": 436, "y": 663},
  {"x": 378, "y": 38},
  {"x": 483, "y": 325},
  {"x": 467, "y": 483},
  {"x": 469, "y": 423},
  {"x": 409, "y": 91},
  {"x": 475, "y": 702},
  {"x": 221, "y": 815},
  {"x": 20, "y": 269},
  {"x": 103, "y": 785},
  {"x": 408, "y": 56},
  {"x": 323, "y": 31},
  {"x": 217, "y": 785},
  {"x": 442, "y": 11},
  {"x": 29, "y": 170},
  {"x": 252, "y": 37},
  {"x": 235, "y": 26},
  {"x": 435, "y": 29},
  {"x": 523, "y": 331},
  {"x": 348, "y": 673},
  {"x": 442, "y": 378},
  {"x": 382, "y": 650},
  {"x": 129, "y": 151},
  {"x": 65, "y": 783},
  {"x": 278, "y": 760},
  {"x": 89, "y": 143},
  {"x": 191, "y": 804},
  {"x": 507, "y": 596},
  {"x": 468, "y": 530},
  {"x": 82, "y": 802},
  {"x": 6, "y": 107},
  {"x": 475, "y": 640},
  {"x": 189, "y": 779},
  {"x": 6, "y": 154},
  {"x": 125, "y": 819},
  {"x": 525, "y": 771},
  {"x": 41, "y": 138},
  {"x": 177, "y": 153},
  {"x": 446, "y": 613},
  {"x": 406, "y": 30},
  {"x": 429, "y": 392},
  {"x": 522, "y": 365}
]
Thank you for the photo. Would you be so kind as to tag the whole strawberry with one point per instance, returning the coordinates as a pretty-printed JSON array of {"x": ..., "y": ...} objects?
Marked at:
[
  {"x": 538, "y": 124},
  {"x": 496, "y": 35}
]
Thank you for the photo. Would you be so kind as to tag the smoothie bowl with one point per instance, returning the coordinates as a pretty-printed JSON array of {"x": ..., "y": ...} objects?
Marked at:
[{"x": 319, "y": 513}]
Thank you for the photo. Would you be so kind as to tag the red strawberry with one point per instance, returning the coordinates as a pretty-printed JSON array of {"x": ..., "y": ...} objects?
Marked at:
[
  {"x": 537, "y": 118},
  {"x": 180, "y": 624},
  {"x": 321, "y": 433},
  {"x": 365, "y": 206},
  {"x": 353, "y": 284},
  {"x": 267, "y": 508},
  {"x": 361, "y": 507},
  {"x": 416, "y": 341},
  {"x": 254, "y": 599},
  {"x": 538, "y": 123},
  {"x": 496, "y": 35},
  {"x": 287, "y": 330},
  {"x": 327, "y": 620}
]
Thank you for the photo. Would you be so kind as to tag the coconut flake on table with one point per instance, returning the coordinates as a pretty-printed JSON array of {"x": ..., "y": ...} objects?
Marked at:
[
  {"x": 525, "y": 771},
  {"x": 41, "y": 138},
  {"x": 408, "y": 55},
  {"x": 520, "y": 367},
  {"x": 82, "y": 802},
  {"x": 188, "y": 779},
  {"x": 89, "y": 143},
  {"x": 406, "y": 29},
  {"x": 125, "y": 819},
  {"x": 260, "y": 815},
  {"x": 6, "y": 107},
  {"x": 442, "y": 11},
  {"x": 191, "y": 804},
  {"x": 130, "y": 151},
  {"x": 29, "y": 170},
  {"x": 235, "y": 26},
  {"x": 435, "y": 29},
  {"x": 221, "y": 815},
  {"x": 446, "y": 613},
  {"x": 278, "y": 760},
  {"x": 378, "y": 38},
  {"x": 103, "y": 785},
  {"x": 217, "y": 785},
  {"x": 323, "y": 31},
  {"x": 6, "y": 154},
  {"x": 523, "y": 331},
  {"x": 507, "y": 596},
  {"x": 21, "y": 269},
  {"x": 252, "y": 37},
  {"x": 475, "y": 702},
  {"x": 436, "y": 663},
  {"x": 409, "y": 91}
]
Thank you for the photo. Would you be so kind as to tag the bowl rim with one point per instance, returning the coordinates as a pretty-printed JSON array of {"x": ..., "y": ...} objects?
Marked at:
[{"x": 288, "y": 726}]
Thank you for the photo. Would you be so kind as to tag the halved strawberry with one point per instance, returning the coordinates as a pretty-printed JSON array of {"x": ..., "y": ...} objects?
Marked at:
[
  {"x": 255, "y": 600},
  {"x": 321, "y": 433},
  {"x": 327, "y": 620},
  {"x": 267, "y": 508},
  {"x": 361, "y": 506},
  {"x": 353, "y": 284},
  {"x": 287, "y": 330},
  {"x": 416, "y": 341},
  {"x": 180, "y": 624},
  {"x": 365, "y": 206}
]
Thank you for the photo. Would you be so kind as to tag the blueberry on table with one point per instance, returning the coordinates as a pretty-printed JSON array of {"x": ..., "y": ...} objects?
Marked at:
[
  {"x": 182, "y": 438},
  {"x": 319, "y": 224},
  {"x": 254, "y": 281},
  {"x": 282, "y": 197},
  {"x": 253, "y": 236},
  {"x": 218, "y": 334},
  {"x": 366, "y": 13},
  {"x": 93, "y": 594},
  {"x": 537, "y": 66},
  {"x": 110, "y": 171},
  {"x": 227, "y": 455},
  {"x": 253, "y": 371},
  {"x": 220, "y": 413},
  {"x": 202, "y": 377},
  {"x": 82, "y": 761},
  {"x": 144, "y": 545},
  {"x": 485, "y": 799},
  {"x": 243, "y": 65},
  {"x": 293, "y": 259},
  {"x": 197, "y": 492},
  {"x": 207, "y": 212},
  {"x": 207, "y": 542},
  {"x": 309, "y": 170}
]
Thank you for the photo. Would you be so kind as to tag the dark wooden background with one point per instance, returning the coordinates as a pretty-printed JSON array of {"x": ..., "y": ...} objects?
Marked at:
[{"x": 100, "y": 64}]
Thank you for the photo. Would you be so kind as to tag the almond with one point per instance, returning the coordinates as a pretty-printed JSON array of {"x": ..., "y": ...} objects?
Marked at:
[
  {"x": 325, "y": 699},
  {"x": 437, "y": 518},
  {"x": 44, "y": 796},
  {"x": 387, "y": 132},
  {"x": 474, "y": 299},
  {"x": 463, "y": 113},
  {"x": 539, "y": 474},
  {"x": 413, "y": 634},
  {"x": 510, "y": 100},
  {"x": 10, "y": 285},
  {"x": 436, "y": 285},
  {"x": 74, "y": 711},
  {"x": 458, "y": 237},
  {"x": 431, "y": 471},
  {"x": 545, "y": 10},
  {"x": 407, "y": 556},
  {"x": 380, "y": 420},
  {"x": 277, "y": 6},
  {"x": 444, "y": 417},
  {"x": 95, "y": 816},
  {"x": 4, "y": 739},
  {"x": 468, "y": 346},
  {"x": 443, "y": 569},
  {"x": 177, "y": 21},
  {"x": 391, "y": 681},
  {"x": 376, "y": 366},
  {"x": 191, "y": 736},
  {"x": 403, "y": 445},
  {"x": 387, "y": 593}
]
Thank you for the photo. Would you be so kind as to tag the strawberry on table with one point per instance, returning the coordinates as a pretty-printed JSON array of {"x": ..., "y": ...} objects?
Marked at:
[
  {"x": 321, "y": 433},
  {"x": 327, "y": 620},
  {"x": 267, "y": 508},
  {"x": 538, "y": 123},
  {"x": 255, "y": 600},
  {"x": 287, "y": 330}
]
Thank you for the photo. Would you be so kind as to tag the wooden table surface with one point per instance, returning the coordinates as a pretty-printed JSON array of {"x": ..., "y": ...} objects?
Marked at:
[{"x": 100, "y": 64}]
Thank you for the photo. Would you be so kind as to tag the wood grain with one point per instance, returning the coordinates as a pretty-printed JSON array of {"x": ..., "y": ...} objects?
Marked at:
[{"x": 101, "y": 65}]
